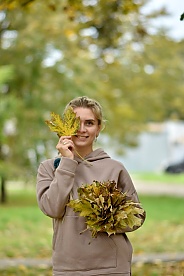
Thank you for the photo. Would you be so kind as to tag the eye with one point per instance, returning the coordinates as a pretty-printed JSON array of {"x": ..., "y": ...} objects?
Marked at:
[{"x": 89, "y": 123}]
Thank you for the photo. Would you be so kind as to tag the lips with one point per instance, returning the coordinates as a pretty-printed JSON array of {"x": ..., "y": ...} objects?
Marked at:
[{"x": 81, "y": 137}]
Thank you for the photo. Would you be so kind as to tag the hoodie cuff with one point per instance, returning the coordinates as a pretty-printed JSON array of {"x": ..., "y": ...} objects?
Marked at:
[{"x": 67, "y": 164}]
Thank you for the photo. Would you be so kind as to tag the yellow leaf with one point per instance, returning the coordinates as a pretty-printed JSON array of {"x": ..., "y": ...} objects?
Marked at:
[{"x": 66, "y": 126}]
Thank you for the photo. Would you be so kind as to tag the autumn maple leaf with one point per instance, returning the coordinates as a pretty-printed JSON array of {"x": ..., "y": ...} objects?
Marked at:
[{"x": 66, "y": 125}]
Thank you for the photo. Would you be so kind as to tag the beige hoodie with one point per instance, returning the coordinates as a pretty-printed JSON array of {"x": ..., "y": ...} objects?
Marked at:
[{"x": 76, "y": 254}]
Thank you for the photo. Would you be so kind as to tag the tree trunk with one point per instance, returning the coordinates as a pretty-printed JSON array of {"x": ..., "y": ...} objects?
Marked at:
[{"x": 3, "y": 190}]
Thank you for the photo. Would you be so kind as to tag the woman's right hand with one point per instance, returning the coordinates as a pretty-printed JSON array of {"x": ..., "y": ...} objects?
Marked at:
[{"x": 65, "y": 146}]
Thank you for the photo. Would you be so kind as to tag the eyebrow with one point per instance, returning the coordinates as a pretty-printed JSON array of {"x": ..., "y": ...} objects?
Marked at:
[{"x": 90, "y": 120}]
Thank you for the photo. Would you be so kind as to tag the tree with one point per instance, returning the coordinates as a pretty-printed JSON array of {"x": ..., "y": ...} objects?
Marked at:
[
  {"x": 98, "y": 48},
  {"x": 6, "y": 73}
]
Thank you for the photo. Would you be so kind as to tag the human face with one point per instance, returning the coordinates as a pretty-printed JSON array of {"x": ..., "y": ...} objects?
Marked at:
[{"x": 88, "y": 130}]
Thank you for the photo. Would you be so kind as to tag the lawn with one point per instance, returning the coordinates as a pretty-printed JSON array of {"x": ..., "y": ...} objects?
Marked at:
[
  {"x": 27, "y": 232},
  {"x": 160, "y": 177},
  {"x": 163, "y": 229}
]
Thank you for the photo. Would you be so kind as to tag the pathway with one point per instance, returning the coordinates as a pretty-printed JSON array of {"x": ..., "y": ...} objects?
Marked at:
[
  {"x": 155, "y": 188},
  {"x": 142, "y": 258}
]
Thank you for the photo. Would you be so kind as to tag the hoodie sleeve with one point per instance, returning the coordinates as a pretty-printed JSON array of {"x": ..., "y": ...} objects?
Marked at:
[
  {"x": 125, "y": 184},
  {"x": 54, "y": 187}
]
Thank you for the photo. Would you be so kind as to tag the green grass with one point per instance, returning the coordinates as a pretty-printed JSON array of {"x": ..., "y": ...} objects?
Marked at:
[
  {"x": 163, "y": 229},
  {"x": 163, "y": 208},
  {"x": 26, "y": 271},
  {"x": 27, "y": 233},
  {"x": 160, "y": 177}
]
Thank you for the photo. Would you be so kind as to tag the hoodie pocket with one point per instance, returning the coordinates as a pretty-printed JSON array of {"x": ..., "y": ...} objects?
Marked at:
[{"x": 76, "y": 251}]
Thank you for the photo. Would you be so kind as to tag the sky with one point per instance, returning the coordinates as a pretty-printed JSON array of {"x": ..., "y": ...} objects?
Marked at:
[{"x": 173, "y": 22}]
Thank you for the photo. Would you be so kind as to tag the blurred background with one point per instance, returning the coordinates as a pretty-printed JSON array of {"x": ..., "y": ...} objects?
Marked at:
[{"x": 127, "y": 54}]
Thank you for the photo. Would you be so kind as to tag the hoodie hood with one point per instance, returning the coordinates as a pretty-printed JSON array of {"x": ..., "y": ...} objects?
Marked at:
[{"x": 95, "y": 155}]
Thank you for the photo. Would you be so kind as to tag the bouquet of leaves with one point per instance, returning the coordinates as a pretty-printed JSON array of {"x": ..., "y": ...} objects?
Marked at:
[{"x": 105, "y": 208}]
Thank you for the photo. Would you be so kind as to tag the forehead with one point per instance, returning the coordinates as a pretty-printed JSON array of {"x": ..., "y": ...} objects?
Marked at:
[{"x": 84, "y": 113}]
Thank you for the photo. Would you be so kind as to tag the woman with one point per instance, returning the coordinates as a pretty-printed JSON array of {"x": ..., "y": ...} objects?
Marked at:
[{"x": 73, "y": 254}]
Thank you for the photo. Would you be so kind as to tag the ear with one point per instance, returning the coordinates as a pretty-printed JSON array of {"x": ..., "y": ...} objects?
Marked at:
[{"x": 98, "y": 130}]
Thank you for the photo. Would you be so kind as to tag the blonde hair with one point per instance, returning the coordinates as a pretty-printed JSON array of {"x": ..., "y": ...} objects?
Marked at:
[{"x": 86, "y": 102}]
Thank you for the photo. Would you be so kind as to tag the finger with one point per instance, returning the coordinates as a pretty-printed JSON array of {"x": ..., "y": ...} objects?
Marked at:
[{"x": 64, "y": 139}]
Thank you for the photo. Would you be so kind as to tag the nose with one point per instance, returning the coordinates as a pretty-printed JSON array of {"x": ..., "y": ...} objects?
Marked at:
[{"x": 82, "y": 128}]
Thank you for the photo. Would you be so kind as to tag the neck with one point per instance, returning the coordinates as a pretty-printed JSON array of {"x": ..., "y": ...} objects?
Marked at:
[{"x": 82, "y": 152}]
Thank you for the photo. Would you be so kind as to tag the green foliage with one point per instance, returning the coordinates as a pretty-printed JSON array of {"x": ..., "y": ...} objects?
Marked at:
[
  {"x": 104, "y": 17},
  {"x": 15, "y": 4},
  {"x": 66, "y": 126},
  {"x": 105, "y": 208},
  {"x": 101, "y": 50},
  {"x": 6, "y": 73}
]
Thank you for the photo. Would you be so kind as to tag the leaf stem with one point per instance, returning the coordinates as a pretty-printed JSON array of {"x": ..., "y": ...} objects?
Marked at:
[{"x": 83, "y": 158}]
